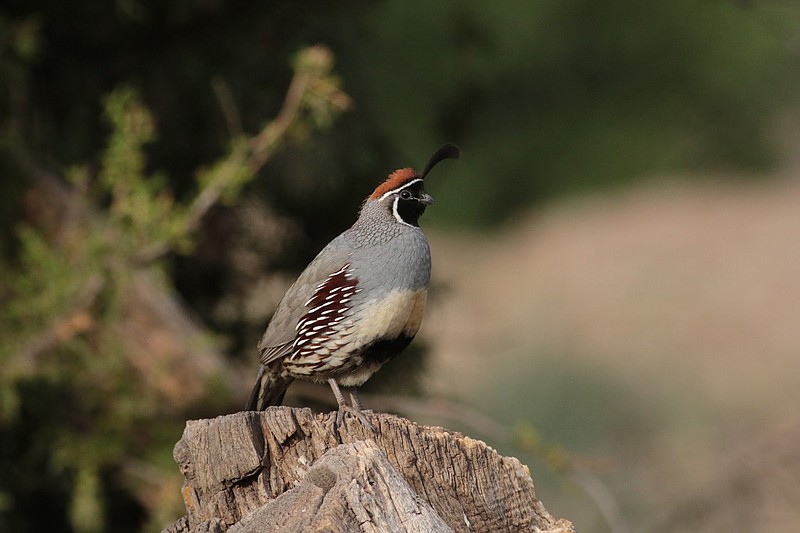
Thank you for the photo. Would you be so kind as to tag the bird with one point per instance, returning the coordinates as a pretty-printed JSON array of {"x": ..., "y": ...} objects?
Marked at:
[{"x": 360, "y": 301}]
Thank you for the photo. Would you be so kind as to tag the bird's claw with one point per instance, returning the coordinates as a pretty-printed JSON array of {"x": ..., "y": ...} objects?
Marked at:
[{"x": 355, "y": 412}]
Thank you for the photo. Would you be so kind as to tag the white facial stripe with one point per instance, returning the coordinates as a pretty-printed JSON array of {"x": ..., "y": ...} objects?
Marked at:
[
  {"x": 412, "y": 182},
  {"x": 397, "y": 214}
]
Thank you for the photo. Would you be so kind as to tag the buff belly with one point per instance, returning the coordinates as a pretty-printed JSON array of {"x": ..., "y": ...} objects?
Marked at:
[{"x": 365, "y": 341}]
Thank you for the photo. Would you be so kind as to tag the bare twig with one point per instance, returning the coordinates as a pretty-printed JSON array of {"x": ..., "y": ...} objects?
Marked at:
[
  {"x": 263, "y": 145},
  {"x": 210, "y": 194},
  {"x": 228, "y": 106},
  {"x": 603, "y": 499},
  {"x": 312, "y": 67}
]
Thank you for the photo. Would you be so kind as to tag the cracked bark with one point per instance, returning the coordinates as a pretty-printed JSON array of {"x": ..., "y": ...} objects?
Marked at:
[{"x": 291, "y": 470}]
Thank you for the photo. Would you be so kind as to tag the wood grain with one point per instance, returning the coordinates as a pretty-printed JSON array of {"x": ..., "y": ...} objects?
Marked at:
[{"x": 288, "y": 470}]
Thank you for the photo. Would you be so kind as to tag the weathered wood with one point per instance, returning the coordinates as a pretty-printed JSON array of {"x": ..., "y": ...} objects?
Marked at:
[
  {"x": 289, "y": 469},
  {"x": 352, "y": 487}
]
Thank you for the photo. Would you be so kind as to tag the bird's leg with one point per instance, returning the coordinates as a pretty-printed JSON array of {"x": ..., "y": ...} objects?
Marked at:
[
  {"x": 355, "y": 409},
  {"x": 355, "y": 401},
  {"x": 337, "y": 393}
]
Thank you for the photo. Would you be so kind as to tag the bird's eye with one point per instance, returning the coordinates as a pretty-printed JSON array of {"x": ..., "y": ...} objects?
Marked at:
[{"x": 405, "y": 195}]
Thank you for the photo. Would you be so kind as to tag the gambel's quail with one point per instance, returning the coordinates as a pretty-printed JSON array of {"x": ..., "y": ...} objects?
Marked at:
[{"x": 360, "y": 301}]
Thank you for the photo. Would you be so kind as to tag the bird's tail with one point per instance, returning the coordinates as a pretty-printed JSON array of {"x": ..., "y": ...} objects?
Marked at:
[{"x": 268, "y": 390}]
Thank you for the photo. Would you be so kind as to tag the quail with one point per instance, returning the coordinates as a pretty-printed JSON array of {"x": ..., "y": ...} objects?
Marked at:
[{"x": 359, "y": 303}]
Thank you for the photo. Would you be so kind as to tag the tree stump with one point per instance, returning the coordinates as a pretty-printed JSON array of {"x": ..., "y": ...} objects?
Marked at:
[{"x": 291, "y": 470}]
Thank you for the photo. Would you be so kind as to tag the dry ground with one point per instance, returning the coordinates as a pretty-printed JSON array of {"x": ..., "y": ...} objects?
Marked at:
[{"x": 677, "y": 307}]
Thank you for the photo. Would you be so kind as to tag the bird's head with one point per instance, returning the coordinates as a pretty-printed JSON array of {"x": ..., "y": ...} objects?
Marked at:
[{"x": 403, "y": 193}]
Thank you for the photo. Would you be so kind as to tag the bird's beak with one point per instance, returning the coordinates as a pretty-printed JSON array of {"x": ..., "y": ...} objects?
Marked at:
[{"x": 426, "y": 199}]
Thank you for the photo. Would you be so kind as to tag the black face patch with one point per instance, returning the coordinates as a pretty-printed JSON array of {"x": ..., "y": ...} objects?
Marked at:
[
  {"x": 407, "y": 205},
  {"x": 409, "y": 211}
]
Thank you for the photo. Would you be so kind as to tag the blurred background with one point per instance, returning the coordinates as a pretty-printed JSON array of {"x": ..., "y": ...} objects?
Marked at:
[{"x": 615, "y": 295}]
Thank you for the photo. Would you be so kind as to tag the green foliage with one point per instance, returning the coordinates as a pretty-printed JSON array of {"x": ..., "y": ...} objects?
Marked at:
[
  {"x": 547, "y": 98},
  {"x": 141, "y": 206},
  {"x": 86, "y": 508},
  {"x": 555, "y": 97},
  {"x": 60, "y": 321},
  {"x": 69, "y": 384}
]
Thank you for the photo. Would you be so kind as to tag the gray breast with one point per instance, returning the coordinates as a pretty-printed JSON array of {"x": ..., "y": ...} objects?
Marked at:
[{"x": 400, "y": 263}]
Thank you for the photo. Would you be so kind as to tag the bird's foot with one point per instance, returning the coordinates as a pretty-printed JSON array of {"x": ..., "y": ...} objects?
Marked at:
[
  {"x": 346, "y": 409},
  {"x": 354, "y": 409}
]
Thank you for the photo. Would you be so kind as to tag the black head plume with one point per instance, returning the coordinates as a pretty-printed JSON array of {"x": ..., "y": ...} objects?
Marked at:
[{"x": 447, "y": 151}]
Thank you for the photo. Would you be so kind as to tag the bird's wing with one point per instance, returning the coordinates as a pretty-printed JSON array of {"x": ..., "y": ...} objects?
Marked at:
[{"x": 279, "y": 338}]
